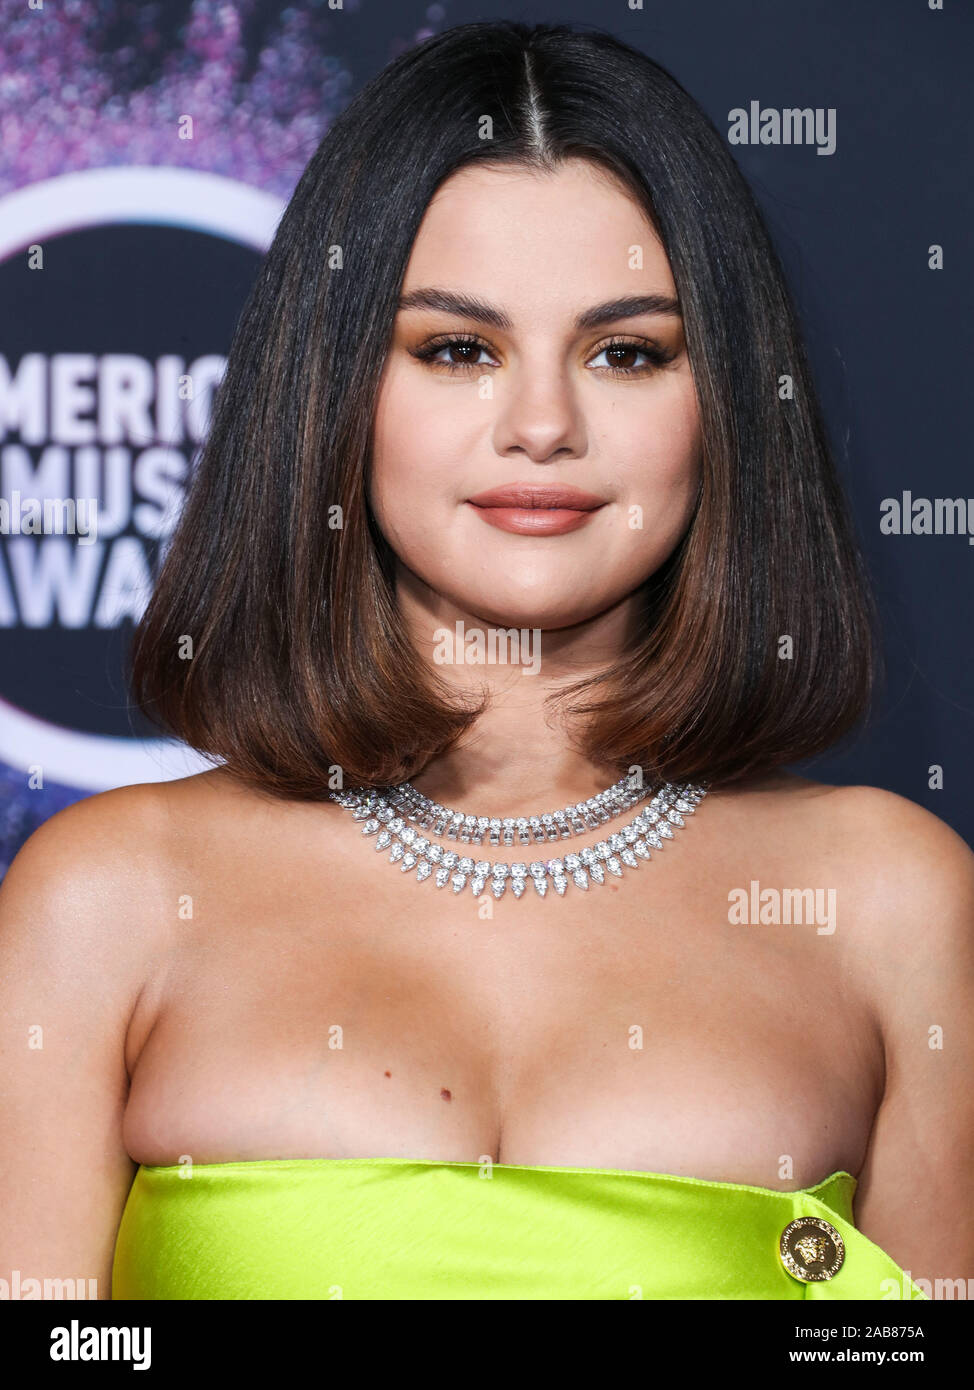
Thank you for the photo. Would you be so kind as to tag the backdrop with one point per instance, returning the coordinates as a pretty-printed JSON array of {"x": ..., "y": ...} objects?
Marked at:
[{"x": 147, "y": 152}]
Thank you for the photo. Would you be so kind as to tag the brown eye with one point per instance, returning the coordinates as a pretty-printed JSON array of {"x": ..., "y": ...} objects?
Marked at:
[
  {"x": 467, "y": 348},
  {"x": 468, "y": 353},
  {"x": 620, "y": 355}
]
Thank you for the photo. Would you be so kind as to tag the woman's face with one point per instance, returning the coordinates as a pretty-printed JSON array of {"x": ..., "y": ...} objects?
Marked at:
[{"x": 535, "y": 386}]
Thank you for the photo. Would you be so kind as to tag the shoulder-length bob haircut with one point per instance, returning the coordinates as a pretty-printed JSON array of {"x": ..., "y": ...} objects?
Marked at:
[{"x": 300, "y": 664}]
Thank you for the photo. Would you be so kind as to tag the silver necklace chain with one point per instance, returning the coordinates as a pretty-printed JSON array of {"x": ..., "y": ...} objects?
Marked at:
[{"x": 412, "y": 851}]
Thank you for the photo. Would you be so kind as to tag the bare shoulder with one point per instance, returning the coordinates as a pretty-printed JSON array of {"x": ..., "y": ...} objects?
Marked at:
[
  {"x": 85, "y": 849},
  {"x": 904, "y": 878},
  {"x": 91, "y": 873},
  {"x": 911, "y": 866},
  {"x": 118, "y": 856},
  {"x": 97, "y": 840},
  {"x": 879, "y": 827},
  {"x": 893, "y": 863},
  {"x": 130, "y": 821},
  {"x": 897, "y": 820}
]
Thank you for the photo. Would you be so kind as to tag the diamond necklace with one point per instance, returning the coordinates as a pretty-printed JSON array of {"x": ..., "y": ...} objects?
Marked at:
[
  {"x": 575, "y": 819},
  {"x": 646, "y": 831}
]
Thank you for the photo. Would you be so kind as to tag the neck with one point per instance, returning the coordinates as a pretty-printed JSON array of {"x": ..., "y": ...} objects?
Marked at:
[{"x": 521, "y": 756}]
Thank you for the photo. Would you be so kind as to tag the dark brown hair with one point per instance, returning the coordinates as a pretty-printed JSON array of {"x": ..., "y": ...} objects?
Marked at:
[{"x": 300, "y": 663}]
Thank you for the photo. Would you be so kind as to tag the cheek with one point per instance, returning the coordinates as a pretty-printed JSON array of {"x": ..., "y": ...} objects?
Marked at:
[
  {"x": 415, "y": 448},
  {"x": 419, "y": 444},
  {"x": 657, "y": 467},
  {"x": 660, "y": 456}
]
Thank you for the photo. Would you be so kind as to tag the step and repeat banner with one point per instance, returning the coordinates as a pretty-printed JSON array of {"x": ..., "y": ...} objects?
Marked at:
[{"x": 147, "y": 153}]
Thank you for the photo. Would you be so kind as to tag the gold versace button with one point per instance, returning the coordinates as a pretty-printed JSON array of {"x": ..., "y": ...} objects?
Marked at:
[{"x": 811, "y": 1249}]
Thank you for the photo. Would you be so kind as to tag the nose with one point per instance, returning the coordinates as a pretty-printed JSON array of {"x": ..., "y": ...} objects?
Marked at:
[{"x": 538, "y": 413}]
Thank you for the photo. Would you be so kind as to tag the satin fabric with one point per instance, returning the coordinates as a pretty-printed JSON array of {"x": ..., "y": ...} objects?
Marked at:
[{"x": 398, "y": 1228}]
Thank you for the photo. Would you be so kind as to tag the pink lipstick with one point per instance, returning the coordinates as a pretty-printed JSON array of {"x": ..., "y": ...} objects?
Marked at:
[{"x": 536, "y": 509}]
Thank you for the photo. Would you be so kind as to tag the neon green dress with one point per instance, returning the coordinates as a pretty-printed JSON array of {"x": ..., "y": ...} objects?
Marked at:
[{"x": 400, "y": 1228}]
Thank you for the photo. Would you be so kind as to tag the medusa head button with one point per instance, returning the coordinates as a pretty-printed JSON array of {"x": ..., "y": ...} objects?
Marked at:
[{"x": 811, "y": 1249}]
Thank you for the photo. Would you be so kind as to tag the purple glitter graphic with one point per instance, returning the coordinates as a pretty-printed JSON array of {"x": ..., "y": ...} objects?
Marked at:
[{"x": 91, "y": 83}]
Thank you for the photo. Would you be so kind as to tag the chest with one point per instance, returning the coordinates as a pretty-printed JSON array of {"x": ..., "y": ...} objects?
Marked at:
[{"x": 628, "y": 1030}]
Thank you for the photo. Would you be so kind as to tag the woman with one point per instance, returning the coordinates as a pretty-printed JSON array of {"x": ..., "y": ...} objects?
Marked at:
[{"x": 520, "y": 361}]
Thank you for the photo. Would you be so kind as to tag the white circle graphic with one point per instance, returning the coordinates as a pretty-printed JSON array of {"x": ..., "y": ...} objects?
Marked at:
[{"x": 185, "y": 198}]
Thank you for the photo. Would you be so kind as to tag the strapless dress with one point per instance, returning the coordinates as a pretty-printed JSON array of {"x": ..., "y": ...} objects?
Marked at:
[{"x": 400, "y": 1228}]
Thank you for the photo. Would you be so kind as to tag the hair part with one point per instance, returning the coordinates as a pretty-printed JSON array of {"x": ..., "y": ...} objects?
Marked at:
[{"x": 301, "y": 663}]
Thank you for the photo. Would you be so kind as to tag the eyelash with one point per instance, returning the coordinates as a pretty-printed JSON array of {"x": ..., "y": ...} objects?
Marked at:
[{"x": 658, "y": 357}]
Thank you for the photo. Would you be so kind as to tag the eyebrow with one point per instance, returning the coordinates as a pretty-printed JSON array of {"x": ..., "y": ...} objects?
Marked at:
[{"x": 626, "y": 307}]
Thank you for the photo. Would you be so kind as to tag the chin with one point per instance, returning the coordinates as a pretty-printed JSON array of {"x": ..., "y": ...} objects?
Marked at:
[{"x": 555, "y": 606}]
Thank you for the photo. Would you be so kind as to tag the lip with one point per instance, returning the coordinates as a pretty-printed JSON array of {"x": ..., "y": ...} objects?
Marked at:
[
  {"x": 528, "y": 496},
  {"x": 536, "y": 509}
]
